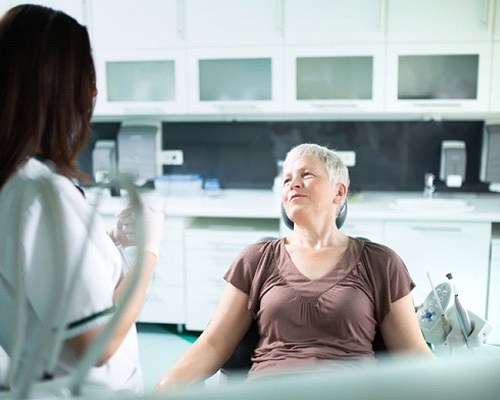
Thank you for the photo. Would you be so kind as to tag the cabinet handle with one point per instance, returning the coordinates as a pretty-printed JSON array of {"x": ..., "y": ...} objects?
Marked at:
[
  {"x": 382, "y": 10},
  {"x": 181, "y": 18},
  {"x": 429, "y": 105},
  {"x": 237, "y": 108},
  {"x": 142, "y": 110},
  {"x": 435, "y": 229},
  {"x": 278, "y": 16},
  {"x": 487, "y": 13},
  {"x": 334, "y": 105}
]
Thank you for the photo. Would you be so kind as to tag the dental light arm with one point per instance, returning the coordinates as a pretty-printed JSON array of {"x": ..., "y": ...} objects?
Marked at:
[
  {"x": 59, "y": 330},
  {"x": 94, "y": 352},
  {"x": 43, "y": 336},
  {"x": 49, "y": 336}
]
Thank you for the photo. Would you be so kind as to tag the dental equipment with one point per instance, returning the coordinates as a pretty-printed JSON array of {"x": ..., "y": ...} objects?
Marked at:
[
  {"x": 462, "y": 315},
  {"x": 445, "y": 332},
  {"x": 50, "y": 334},
  {"x": 444, "y": 318}
]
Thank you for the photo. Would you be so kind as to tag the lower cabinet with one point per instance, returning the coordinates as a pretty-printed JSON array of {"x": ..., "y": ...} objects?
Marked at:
[
  {"x": 165, "y": 296},
  {"x": 211, "y": 245},
  {"x": 493, "y": 315},
  {"x": 439, "y": 248}
]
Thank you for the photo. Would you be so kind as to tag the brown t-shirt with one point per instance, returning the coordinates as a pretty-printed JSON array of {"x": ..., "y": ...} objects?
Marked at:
[{"x": 306, "y": 323}]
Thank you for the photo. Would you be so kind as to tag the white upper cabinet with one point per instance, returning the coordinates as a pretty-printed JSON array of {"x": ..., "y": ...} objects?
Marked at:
[
  {"x": 235, "y": 81},
  {"x": 140, "y": 82},
  {"x": 329, "y": 57},
  {"x": 496, "y": 35},
  {"x": 431, "y": 21},
  {"x": 137, "y": 25},
  {"x": 333, "y": 21},
  {"x": 75, "y": 8},
  {"x": 334, "y": 79},
  {"x": 140, "y": 56},
  {"x": 233, "y": 23},
  {"x": 437, "y": 79},
  {"x": 495, "y": 80}
]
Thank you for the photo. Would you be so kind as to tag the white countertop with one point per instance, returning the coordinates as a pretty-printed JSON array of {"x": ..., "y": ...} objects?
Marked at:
[{"x": 240, "y": 203}]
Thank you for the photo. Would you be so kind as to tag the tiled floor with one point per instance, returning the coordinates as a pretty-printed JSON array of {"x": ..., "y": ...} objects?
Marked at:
[{"x": 160, "y": 346}]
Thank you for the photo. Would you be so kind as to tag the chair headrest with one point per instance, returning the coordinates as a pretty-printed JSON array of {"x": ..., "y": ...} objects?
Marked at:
[{"x": 341, "y": 217}]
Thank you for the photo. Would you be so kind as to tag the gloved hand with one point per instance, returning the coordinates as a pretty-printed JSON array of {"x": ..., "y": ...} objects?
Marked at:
[{"x": 124, "y": 232}]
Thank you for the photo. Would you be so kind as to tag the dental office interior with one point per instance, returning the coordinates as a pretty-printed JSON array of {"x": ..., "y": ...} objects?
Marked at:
[{"x": 202, "y": 99}]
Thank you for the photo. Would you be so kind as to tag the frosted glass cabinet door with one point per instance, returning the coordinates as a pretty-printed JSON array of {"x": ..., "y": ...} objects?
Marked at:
[
  {"x": 243, "y": 79},
  {"x": 335, "y": 79},
  {"x": 142, "y": 84},
  {"x": 430, "y": 78},
  {"x": 495, "y": 82},
  {"x": 235, "y": 81}
]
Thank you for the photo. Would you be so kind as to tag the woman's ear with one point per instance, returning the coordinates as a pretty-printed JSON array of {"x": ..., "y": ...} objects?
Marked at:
[{"x": 341, "y": 193}]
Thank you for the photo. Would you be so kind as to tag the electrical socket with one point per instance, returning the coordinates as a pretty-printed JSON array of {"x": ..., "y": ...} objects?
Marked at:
[
  {"x": 348, "y": 157},
  {"x": 172, "y": 157}
]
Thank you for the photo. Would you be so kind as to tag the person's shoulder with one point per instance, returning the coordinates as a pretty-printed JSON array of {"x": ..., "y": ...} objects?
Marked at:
[
  {"x": 261, "y": 247},
  {"x": 378, "y": 250}
]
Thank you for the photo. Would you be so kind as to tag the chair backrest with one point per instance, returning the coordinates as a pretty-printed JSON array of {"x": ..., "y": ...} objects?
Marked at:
[{"x": 241, "y": 359}]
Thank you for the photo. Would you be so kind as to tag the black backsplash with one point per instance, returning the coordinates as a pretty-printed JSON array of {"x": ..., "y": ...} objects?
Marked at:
[{"x": 390, "y": 155}]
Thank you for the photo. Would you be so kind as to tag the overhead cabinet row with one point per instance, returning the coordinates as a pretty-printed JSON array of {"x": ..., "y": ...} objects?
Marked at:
[
  {"x": 343, "y": 79},
  {"x": 293, "y": 56}
]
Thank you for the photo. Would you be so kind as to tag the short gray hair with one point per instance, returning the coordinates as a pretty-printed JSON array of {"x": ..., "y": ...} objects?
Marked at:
[{"x": 335, "y": 167}]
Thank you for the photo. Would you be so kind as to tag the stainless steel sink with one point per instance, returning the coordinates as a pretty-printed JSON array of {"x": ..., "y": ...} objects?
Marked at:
[{"x": 436, "y": 205}]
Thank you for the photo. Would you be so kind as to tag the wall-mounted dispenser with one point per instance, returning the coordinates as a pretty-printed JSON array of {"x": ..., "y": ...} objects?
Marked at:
[
  {"x": 104, "y": 165},
  {"x": 139, "y": 144},
  {"x": 490, "y": 157},
  {"x": 453, "y": 163}
]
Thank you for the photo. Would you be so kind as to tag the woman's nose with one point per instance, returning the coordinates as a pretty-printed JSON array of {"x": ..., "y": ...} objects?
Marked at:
[{"x": 296, "y": 182}]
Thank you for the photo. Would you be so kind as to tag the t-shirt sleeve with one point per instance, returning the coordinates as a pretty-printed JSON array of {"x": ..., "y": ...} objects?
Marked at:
[
  {"x": 390, "y": 278},
  {"x": 249, "y": 271},
  {"x": 242, "y": 271}
]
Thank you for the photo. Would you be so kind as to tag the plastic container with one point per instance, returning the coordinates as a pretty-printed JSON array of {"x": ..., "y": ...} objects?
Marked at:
[
  {"x": 212, "y": 187},
  {"x": 179, "y": 185}
]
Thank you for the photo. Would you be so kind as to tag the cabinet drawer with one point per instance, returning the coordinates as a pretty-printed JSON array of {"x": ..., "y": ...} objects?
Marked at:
[
  {"x": 493, "y": 314},
  {"x": 440, "y": 248}
]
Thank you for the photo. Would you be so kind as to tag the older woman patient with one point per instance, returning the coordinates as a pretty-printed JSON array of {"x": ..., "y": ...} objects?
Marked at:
[{"x": 317, "y": 295}]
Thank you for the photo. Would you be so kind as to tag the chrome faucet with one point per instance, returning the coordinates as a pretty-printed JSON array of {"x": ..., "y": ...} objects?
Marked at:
[{"x": 429, "y": 187}]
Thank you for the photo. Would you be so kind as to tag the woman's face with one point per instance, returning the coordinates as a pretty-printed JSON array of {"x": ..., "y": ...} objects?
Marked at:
[{"x": 307, "y": 188}]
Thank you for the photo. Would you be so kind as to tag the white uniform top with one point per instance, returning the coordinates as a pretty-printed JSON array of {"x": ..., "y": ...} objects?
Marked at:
[{"x": 30, "y": 238}]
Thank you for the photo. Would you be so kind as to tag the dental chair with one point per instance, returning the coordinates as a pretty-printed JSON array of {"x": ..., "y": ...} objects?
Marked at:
[{"x": 240, "y": 361}]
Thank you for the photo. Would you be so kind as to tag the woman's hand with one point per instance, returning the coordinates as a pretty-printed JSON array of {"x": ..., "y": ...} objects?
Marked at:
[{"x": 124, "y": 232}]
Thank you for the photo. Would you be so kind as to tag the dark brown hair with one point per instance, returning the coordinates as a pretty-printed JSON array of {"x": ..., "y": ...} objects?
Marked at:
[{"x": 47, "y": 88}]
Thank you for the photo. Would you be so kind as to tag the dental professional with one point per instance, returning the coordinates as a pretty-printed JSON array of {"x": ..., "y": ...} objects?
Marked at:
[
  {"x": 47, "y": 91},
  {"x": 317, "y": 295}
]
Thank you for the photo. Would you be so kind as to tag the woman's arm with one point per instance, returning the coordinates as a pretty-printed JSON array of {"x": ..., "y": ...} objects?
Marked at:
[
  {"x": 400, "y": 328},
  {"x": 153, "y": 231},
  {"x": 215, "y": 345},
  {"x": 82, "y": 342}
]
